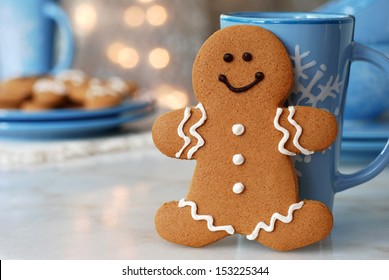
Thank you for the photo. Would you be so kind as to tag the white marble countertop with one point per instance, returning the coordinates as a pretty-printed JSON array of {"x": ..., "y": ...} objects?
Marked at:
[{"x": 103, "y": 207}]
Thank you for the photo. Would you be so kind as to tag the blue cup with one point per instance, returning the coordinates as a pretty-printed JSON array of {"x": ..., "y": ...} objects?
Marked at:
[
  {"x": 27, "y": 32},
  {"x": 321, "y": 48},
  {"x": 372, "y": 21}
]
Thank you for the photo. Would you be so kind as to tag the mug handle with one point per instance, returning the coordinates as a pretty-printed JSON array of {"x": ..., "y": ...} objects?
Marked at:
[
  {"x": 55, "y": 12},
  {"x": 346, "y": 181}
]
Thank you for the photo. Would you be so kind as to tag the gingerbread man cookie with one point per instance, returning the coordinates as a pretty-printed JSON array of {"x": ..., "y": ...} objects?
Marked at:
[{"x": 242, "y": 138}]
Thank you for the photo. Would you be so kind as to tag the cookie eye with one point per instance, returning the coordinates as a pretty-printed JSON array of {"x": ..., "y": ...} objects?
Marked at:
[
  {"x": 228, "y": 57},
  {"x": 247, "y": 56}
]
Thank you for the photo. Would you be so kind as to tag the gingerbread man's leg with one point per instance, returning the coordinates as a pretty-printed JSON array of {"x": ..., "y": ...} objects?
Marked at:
[
  {"x": 176, "y": 222},
  {"x": 310, "y": 224}
]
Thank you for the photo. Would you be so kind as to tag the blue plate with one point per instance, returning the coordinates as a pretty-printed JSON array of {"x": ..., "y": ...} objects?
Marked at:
[
  {"x": 74, "y": 114},
  {"x": 71, "y": 128}
]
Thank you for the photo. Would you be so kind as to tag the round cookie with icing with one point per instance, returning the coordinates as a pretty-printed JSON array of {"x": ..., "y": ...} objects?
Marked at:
[
  {"x": 14, "y": 92},
  {"x": 125, "y": 88},
  {"x": 32, "y": 106},
  {"x": 76, "y": 82},
  {"x": 242, "y": 138},
  {"x": 101, "y": 94},
  {"x": 49, "y": 93}
]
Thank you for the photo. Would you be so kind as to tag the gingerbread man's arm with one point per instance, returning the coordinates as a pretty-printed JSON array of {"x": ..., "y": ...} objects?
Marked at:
[
  {"x": 318, "y": 129},
  {"x": 175, "y": 133}
]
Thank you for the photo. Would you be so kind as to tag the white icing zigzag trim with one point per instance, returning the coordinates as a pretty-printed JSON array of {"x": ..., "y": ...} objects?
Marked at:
[
  {"x": 276, "y": 216},
  {"x": 193, "y": 132},
  {"x": 181, "y": 133},
  {"x": 285, "y": 138},
  {"x": 228, "y": 228},
  {"x": 299, "y": 130}
]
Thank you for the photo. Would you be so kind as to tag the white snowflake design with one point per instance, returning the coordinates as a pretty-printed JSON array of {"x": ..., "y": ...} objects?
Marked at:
[
  {"x": 304, "y": 88},
  {"x": 312, "y": 90}
]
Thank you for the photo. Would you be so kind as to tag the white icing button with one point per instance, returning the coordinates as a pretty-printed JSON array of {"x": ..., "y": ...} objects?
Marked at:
[
  {"x": 238, "y": 129},
  {"x": 238, "y": 188},
  {"x": 238, "y": 159}
]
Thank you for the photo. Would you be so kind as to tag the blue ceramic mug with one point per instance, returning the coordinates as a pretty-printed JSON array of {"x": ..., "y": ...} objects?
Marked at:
[
  {"x": 321, "y": 48},
  {"x": 27, "y": 35}
]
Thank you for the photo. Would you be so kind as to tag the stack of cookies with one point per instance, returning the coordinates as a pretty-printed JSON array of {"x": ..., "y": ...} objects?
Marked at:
[{"x": 68, "y": 89}]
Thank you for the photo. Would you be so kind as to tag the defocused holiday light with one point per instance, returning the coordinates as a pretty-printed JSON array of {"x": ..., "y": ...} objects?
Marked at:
[
  {"x": 123, "y": 55},
  {"x": 145, "y": 1},
  {"x": 134, "y": 16},
  {"x": 156, "y": 15},
  {"x": 85, "y": 18},
  {"x": 159, "y": 58},
  {"x": 113, "y": 51},
  {"x": 171, "y": 97},
  {"x": 128, "y": 57}
]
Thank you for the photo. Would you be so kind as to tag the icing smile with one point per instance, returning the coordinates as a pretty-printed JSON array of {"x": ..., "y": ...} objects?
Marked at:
[{"x": 259, "y": 76}]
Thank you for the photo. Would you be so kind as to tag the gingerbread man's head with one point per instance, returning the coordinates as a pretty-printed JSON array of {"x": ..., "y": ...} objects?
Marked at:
[{"x": 244, "y": 65}]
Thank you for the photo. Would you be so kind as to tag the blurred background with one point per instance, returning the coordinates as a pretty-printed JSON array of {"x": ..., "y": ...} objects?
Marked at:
[{"x": 154, "y": 42}]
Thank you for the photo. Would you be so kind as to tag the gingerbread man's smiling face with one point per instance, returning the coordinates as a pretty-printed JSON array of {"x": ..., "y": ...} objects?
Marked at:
[{"x": 243, "y": 64}]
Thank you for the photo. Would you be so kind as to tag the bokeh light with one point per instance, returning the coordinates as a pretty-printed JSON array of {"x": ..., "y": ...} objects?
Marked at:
[
  {"x": 159, "y": 58},
  {"x": 85, "y": 18},
  {"x": 113, "y": 51},
  {"x": 171, "y": 97},
  {"x": 128, "y": 57},
  {"x": 156, "y": 15},
  {"x": 134, "y": 16}
]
